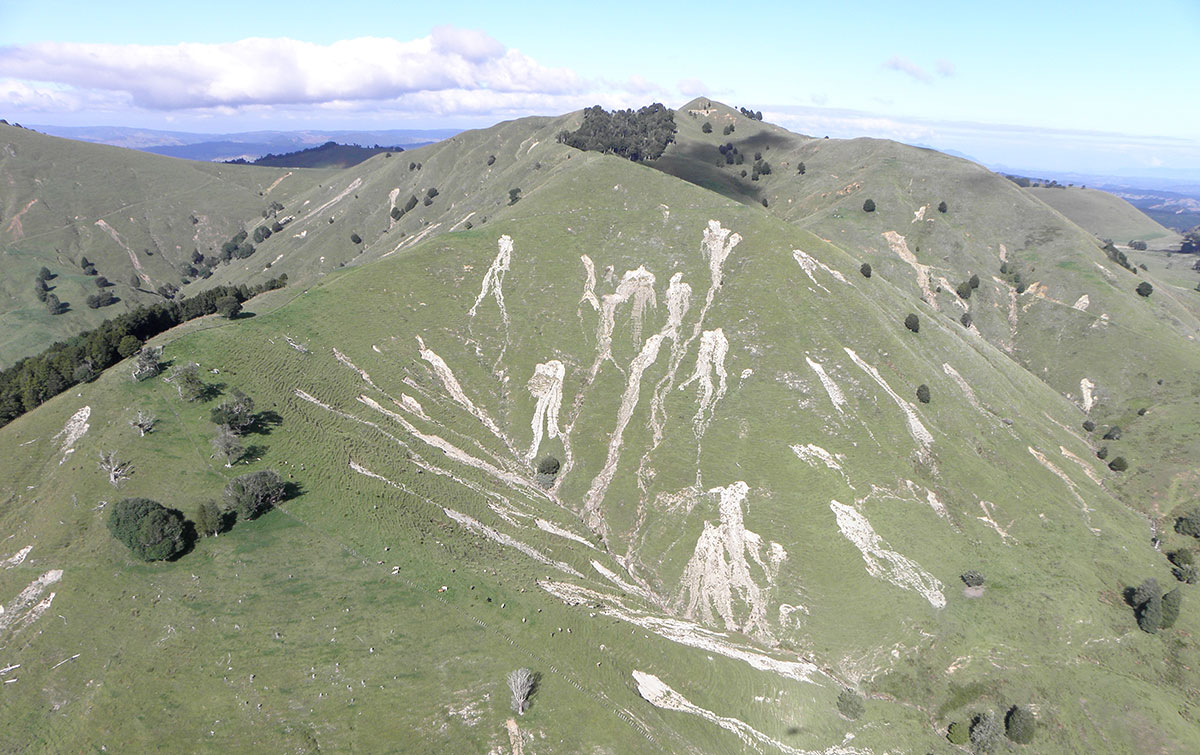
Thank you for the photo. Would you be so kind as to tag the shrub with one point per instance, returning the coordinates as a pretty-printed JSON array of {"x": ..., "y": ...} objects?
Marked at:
[
  {"x": 1102, "y": 453},
  {"x": 985, "y": 732},
  {"x": 942, "y": 207},
  {"x": 974, "y": 281},
  {"x": 865, "y": 269},
  {"x": 397, "y": 213},
  {"x": 209, "y": 519},
  {"x": 965, "y": 319},
  {"x": 923, "y": 393},
  {"x": 850, "y": 704},
  {"x": 45, "y": 274},
  {"x": 912, "y": 322},
  {"x": 972, "y": 578},
  {"x": 1118, "y": 464},
  {"x": 1189, "y": 524},
  {"x": 1147, "y": 605},
  {"x": 1020, "y": 725},
  {"x": 800, "y": 169},
  {"x": 228, "y": 307},
  {"x": 1114, "y": 433},
  {"x": 1089, "y": 425},
  {"x": 1171, "y": 603},
  {"x": 1144, "y": 289},
  {"x": 764, "y": 202},
  {"x": 728, "y": 129},
  {"x": 1181, "y": 557},
  {"x": 548, "y": 465},
  {"x": 253, "y": 494},
  {"x": 151, "y": 531},
  {"x": 958, "y": 733},
  {"x": 963, "y": 290},
  {"x": 491, "y": 160},
  {"x": 1187, "y": 574},
  {"x": 355, "y": 238},
  {"x": 706, "y": 128},
  {"x": 869, "y": 205},
  {"x": 514, "y": 196}
]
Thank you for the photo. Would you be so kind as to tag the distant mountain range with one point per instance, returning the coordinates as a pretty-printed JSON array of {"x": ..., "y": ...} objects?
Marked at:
[{"x": 249, "y": 145}]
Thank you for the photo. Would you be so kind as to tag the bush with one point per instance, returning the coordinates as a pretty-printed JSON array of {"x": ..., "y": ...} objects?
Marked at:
[
  {"x": 491, "y": 160},
  {"x": 958, "y": 733},
  {"x": 1114, "y": 433},
  {"x": 1181, "y": 557},
  {"x": 728, "y": 129},
  {"x": 253, "y": 494},
  {"x": 706, "y": 128},
  {"x": 800, "y": 169},
  {"x": 965, "y": 319},
  {"x": 1171, "y": 603},
  {"x": 1144, "y": 289},
  {"x": 942, "y": 207},
  {"x": 514, "y": 196},
  {"x": 1089, "y": 425},
  {"x": 985, "y": 732},
  {"x": 1020, "y": 725},
  {"x": 1187, "y": 574},
  {"x": 228, "y": 307},
  {"x": 869, "y": 205},
  {"x": 912, "y": 322},
  {"x": 1102, "y": 453},
  {"x": 151, "y": 531},
  {"x": 355, "y": 238},
  {"x": 974, "y": 281},
  {"x": 963, "y": 290},
  {"x": 865, "y": 270},
  {"x": 1118, "y": 464},
  {"x": 1147, "y": 605},
  {"x": 1189, "y": 524},
  {"x": 923, "y": 393},
  {"x": 850, "y": 704},
  {"x": 547, "y": 470},
  {"x": 45, "y": 274},
  {"x": 972, "y": 578}
]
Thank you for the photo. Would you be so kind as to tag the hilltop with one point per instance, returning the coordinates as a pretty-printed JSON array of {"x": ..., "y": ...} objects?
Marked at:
[{"x": 768, "y": 483}]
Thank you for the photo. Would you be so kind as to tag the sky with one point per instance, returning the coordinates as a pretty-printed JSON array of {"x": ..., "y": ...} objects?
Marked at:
[{"x": 1100, "y": 87}]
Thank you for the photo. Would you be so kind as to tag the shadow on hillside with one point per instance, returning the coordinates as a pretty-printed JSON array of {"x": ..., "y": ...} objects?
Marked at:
[
  {"x": 211, "y": 391},
  {"x": 263, "y": 422},
  {"x": 190, "y": 536},
  {"x": 696, "y": 164}
]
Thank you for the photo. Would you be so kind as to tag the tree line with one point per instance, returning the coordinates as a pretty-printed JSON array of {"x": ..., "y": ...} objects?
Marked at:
[
  {"x": 33, "y": 380},
  {"x": 639, "y": 135}
]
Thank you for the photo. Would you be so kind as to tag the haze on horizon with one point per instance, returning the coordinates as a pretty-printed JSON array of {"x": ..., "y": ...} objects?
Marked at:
[{"x": 1070, "y": 87}]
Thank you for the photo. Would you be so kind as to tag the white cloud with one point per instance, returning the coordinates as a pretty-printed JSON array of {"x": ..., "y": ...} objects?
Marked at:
[
  {"x": 692, "y": 87},
  {"x": 906, "y": 66},
  {"x": 275, "y": 71},
  {"x": 944, "y": 67}
]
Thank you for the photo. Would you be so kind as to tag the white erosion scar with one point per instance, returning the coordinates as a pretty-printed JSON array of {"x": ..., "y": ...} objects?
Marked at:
[
  {"x": 493, "y": 279},
  {"x": 76, "y": 427},
  {"x": 915, "y": 428},
  {"x": 546, "y": 387},
  {"x": 899, "y": 247},
  {"x": 637, "y": 285},
  {"x": 884, "y": 563},
  {"x": 810, "y": 265},
  {"x": 835, "y": 393},
  {"x": 589, "y": 284},
  {"x": 21, "y": 610},
  {"x": 719, "y": 571},
  {"x": 709, "y": 362},
  {"x": 452, "y": 386}
]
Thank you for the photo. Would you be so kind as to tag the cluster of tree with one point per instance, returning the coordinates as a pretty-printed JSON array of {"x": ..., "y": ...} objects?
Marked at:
[
  {"x": 1191, "y": 242},
  {"x": 429, "y": 195},
  {"x": 1137, "y": 246},
  {"x": 33, "y": 380},
  {"x": 1153, "y": 609},
  {"x": 706, "y": 128},
  {"x": 233, "y": 417},
  {"x": 1013, "y": 276},
  {"x": 398, "y": 212},
  {"x": 728, "y": 129},
  {"x": 731, "y": 154},
  {"x": 761, "y": 168},
  {"x": 237, "y": 247},
  {"x": 414, "y": 166},
  {"x": 1116, "y": 255},
  {"x": 639, "y": 135},
  {"x": 850, "y": 704},
  {"x": 984, "y": 731},
  {"x": 965, "y": 288},
  {"x": 752, "y": 115}
]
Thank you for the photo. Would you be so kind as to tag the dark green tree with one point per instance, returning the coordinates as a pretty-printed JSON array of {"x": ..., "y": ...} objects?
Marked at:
[
  {"x": 491, "y": 160},
  {"x": 963, "y": 290},
  {"x": 151, "y": 531},
  {"x": 942, "y": 207},
  {"x": 236, "y": 412},
  {"x": 912, "y": 322},
  {"x": 128, "y": 346},
  {"x": 1147, "y": 605},
  {"x": 45, "y": 274},
  {"x": 972, "y": 578},
  {"x": 228, "y": 307},
  {"x": 1144, "y": 289},
  {"x": 1171, "y": 603},
  {"x": 1189, "y": 524},
  {"x": 965, "y": 319},
  {"x": 706, "y": 128},
  {"x": 514, "y": 196},
  {"x": 869, "y": 205},
  {"x": 1118, "y": 464},
  {"x": 209, "y": 519},
  {"x": 865, "y": 270},
  {"x": 253, "y": 494},
  {"x": 355, "y": 238},
  {"x": 850, "y": 704},
  {"x": 974, "y": 281},
  {"x": 800, "y": 169},
  {"x": 1020, "y": 725},
  {"x": 923, "y": 393}
]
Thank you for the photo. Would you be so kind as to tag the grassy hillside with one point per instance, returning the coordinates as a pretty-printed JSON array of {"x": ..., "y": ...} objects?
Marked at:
[
  {"x": 1107, "y": 216},
  {"x": 753, "y": 511}
]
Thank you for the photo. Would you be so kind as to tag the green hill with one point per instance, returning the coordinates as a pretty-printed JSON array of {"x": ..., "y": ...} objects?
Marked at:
[
  {"x": 753, "y": 510},
  {"x": 1107, "y": 216}
]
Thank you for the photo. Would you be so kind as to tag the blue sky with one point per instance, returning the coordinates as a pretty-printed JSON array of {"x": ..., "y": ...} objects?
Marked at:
[{"x": 1102, "y": 87}]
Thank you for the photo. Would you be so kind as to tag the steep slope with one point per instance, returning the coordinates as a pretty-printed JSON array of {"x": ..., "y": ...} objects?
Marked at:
[
  {"x": 1107, "y": 216},
  {"x": 1048, "y": 295},
  {"x": 753, "y": 510},
  {"x": 136, "y": 217}
]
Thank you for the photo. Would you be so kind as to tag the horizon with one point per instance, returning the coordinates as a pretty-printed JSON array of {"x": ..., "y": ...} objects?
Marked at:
[{"x": 951, "y": 79}]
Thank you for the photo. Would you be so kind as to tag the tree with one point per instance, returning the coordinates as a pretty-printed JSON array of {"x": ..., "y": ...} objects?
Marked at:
[
  {"x": 639, "y": 136},
  {"x": 54, "y": 306},
  {"x": 1113, "y": 433},
  {"x": 228, "y": 446},
  {"x": 985, "y": 732},
  {"x": 186, "y": 379},
  {"x": 144, "y": 422},
  {"x": 356, "y": 239},
  {"x": 965, "y": 319},
  {"x": 923, "y": 393},
  {"x": 236, "y": 413},
  {"x": 128, "y": 346},
  {"x": 547, "y": 470},
  {"x": 865, "y": 270},
  {"x": 147, "y": 365},
  {"x": 253, "y": 494},
  {"x": 491, "y": 160},
  {"x": 522, "y": 683},
  {"x": 151, "y": 531},
  {"x": 1020, "y": 725},
  {"x": 1170, "y": 607},
  {"x": 1144, "y": 289},
  {"x": 1147, "y": 605},
  {"x": 958, "y": 733},
  {"x": 728, "y": 129},
  {"x": 850, "y": 704},
  {"x": 972, "y": 578},
  {"x": 514, "y": 196},
  {"x": 869, "y": 205},
  {"x": 974, "y": 281},
  {"x": 1118, "y": 464},
  {"x": 1189, "y": 524},
  {"x": 800, "y": 169},
  {"x": 706, "y": 128},
  {"x": 1088, "y": 425},
  {"x": 228, "y": 307},
  {"x": 912, "y": 322},
  {"x": 102, "y": 282},
  {"x": 44, "y": 274},
  {"x": 118, "y": 471},
  {"x": 942, "y": 207},
  {"x": 963, "y": 290},
  {"x": 209, "y": 519}
]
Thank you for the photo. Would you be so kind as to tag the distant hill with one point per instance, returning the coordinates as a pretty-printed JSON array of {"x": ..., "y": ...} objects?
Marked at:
[
  {"x": 328, "y": 155},
  {"x": 1106, "y": 215}
]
